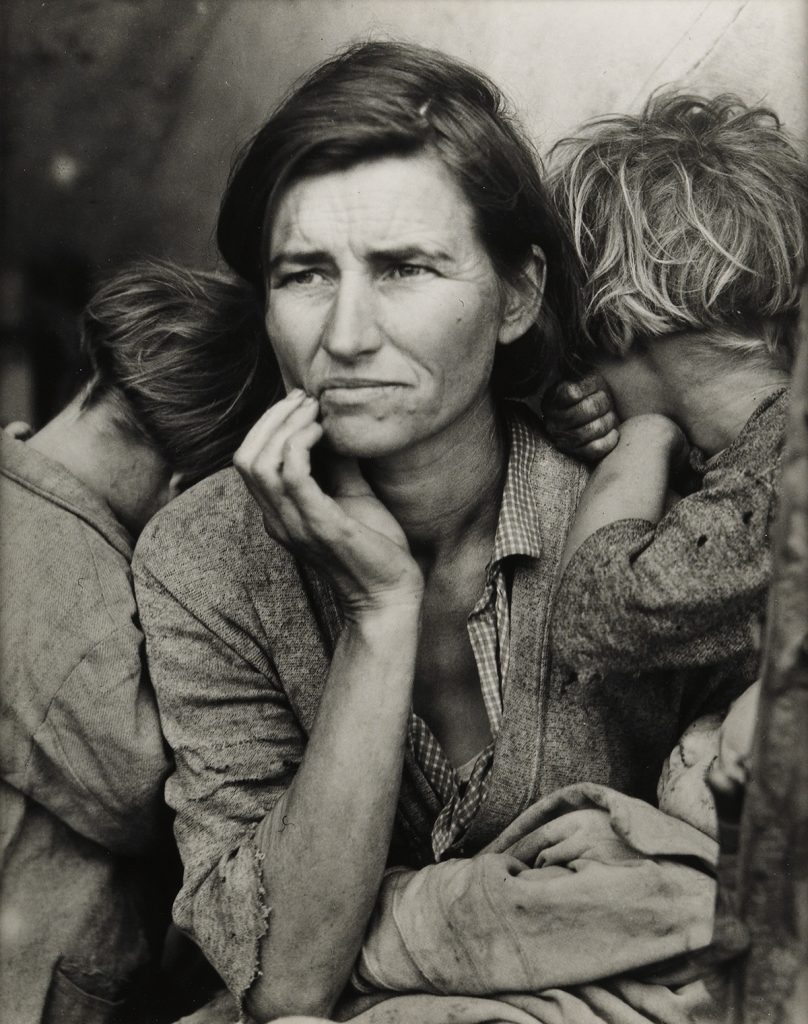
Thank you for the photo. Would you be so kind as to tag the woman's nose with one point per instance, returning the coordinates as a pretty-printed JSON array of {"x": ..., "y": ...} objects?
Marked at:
[{"x": 351, "y": 330}]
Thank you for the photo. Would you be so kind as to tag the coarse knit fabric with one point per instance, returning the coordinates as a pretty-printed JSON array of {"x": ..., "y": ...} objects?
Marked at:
[
  {"x": 462, "y": 790},
  {"x": 82, "y": 755},
  {"x": 240, "y": 637},
  {"x": 687, "y": 594}
]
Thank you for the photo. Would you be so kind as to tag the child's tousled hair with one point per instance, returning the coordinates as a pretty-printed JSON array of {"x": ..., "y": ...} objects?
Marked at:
[
  {"x": 691, "y": 216},
  {"x": 183, "y": 356}
]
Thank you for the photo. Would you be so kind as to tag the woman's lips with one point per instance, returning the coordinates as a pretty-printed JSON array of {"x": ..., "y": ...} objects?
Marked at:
[{"x": 356, "y": 392}]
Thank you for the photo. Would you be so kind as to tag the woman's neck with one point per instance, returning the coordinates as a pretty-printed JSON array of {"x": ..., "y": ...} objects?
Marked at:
[
  {"x": 445, "y": 494},
  {"x": 125, "y": 474},
  {"x": 709, "y": 391}
]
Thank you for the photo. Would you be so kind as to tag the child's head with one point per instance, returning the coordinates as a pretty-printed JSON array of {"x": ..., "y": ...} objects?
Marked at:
[
  {"x": 183, "y": 358},
  {"x": 690, "y": 217}
]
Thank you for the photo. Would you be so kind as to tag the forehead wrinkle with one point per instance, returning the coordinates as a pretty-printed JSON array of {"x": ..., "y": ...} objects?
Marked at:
[{"x": 325, "y": 213}]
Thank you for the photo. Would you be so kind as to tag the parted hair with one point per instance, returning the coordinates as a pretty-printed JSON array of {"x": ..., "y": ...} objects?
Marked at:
[
  {"x": 691, "y": 216},
  {"x": 184, "y": 357},
  {"x": 380, "y": 99}
]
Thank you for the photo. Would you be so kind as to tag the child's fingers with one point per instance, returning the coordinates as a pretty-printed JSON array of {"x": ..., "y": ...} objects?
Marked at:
[
  {"x": 595, "y": 450},
  {"x": 588, "y": 409},
  {"x": 569, "y": 392}
]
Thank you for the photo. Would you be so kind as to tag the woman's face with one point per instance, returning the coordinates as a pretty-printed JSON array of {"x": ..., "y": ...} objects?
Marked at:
[{"x": 383, "y": 303}]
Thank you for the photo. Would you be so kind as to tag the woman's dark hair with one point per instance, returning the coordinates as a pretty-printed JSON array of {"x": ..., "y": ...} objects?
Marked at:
[
  {"x": 396, "y": 99},
  {"x": 184, "y": 356}
]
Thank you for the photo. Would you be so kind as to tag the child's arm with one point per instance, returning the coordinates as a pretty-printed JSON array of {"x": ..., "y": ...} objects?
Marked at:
[
  {"x": 646, "y": 588},
  {"x": 631, "y": 482}
]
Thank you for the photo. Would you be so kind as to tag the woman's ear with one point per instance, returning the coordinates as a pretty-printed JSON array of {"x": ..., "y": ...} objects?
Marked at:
[{"x": 524, "y": 298}]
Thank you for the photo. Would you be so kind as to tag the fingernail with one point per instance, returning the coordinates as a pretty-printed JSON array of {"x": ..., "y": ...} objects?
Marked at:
[{"x": 296, "y": 393}]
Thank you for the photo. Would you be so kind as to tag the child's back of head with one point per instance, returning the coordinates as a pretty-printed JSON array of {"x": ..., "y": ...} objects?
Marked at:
[
  {"x": 184, "y": 357},
  {"x": 689, "y": 217}
]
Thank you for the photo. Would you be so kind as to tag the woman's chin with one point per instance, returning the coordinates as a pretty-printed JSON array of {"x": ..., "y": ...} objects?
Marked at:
[{"x": 363, "y": 438}]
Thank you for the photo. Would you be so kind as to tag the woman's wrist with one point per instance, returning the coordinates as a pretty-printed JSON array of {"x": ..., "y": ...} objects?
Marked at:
[{"x": 376, "y": 616}]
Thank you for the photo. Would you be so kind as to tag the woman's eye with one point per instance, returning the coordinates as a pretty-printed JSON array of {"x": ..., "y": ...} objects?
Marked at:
[
  {"x": 408, "y": 270},
  {"x": 300, "y": 277}
]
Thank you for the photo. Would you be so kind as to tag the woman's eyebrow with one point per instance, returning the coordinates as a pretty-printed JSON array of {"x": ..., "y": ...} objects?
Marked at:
[
  {"x": 409, "y": 254},
  {"x": 299, "y": 256},
  {"x": 388, "y": 255}
]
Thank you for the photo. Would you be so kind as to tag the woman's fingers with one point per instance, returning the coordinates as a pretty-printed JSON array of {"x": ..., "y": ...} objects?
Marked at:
[
  {"x": 268, "y": 424},
  {"x": 260, "y": 457},
  {"x": 350, "y": 535},
  {"x": 260, "y": 461},
  {"x": 295, "y": 454}
]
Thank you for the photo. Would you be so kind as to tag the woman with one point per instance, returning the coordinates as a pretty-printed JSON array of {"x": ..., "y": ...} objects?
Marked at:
[{"x": 349, "y": 653}]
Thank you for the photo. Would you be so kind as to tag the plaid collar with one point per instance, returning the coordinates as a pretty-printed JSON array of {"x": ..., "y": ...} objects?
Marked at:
[{"x": 518, "y": 531}]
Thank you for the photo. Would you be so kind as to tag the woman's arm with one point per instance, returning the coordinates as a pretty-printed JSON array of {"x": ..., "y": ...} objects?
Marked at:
[
  {"x": 322, "y": 841},
  {"x": 563, "y": 897},
  {"x": 325, "y": 843}
]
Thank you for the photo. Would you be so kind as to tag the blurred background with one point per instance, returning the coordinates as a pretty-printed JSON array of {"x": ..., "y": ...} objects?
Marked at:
[{"x": 120, "y": 117}]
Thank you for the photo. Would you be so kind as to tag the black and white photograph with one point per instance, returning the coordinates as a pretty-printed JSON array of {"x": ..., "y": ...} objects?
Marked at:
[{"x": 404, "y": 512}]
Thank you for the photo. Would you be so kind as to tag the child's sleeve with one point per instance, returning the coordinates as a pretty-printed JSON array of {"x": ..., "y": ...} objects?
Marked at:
[{"x": 684, "y": 593}]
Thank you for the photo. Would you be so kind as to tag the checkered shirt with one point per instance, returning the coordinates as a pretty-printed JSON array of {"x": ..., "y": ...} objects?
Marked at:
[{"x": 489, "y": 632}]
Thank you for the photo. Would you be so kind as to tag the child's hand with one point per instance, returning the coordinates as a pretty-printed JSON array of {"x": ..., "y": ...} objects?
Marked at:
[
  {"x": 580, "y": 418},
  {"x": 736, "y": 735},
  {"x": 727, "y": 776}
]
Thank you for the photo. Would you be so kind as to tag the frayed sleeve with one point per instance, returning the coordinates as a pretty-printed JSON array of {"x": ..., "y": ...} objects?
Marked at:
[{"x": 236, "y": 743}]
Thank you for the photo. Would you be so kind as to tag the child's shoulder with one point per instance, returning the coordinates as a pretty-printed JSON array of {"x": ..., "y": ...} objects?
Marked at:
[{"x": 758, "y": 447}]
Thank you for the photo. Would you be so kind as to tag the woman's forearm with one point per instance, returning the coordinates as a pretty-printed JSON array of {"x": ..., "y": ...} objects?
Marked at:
[
  {"x": 631, "y": 482},
  {"x": 325, "y": 843}
]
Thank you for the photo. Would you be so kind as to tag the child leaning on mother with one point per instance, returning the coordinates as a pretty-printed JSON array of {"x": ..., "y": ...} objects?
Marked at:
[{"x": 365, "y": 666}]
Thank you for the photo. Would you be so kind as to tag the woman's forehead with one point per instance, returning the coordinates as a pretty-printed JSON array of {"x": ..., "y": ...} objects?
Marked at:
[{"x": 394, "y": 200}]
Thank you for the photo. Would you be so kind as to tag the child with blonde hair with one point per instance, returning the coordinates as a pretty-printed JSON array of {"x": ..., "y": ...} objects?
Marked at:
[{"x": 690, "y": 221}]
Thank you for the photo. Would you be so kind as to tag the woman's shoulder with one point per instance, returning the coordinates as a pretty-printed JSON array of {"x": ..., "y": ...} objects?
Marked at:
[{"x": 215, "y": 527}]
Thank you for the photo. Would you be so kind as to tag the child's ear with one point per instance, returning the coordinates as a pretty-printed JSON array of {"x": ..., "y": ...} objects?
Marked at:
[
  {"x": 524, "y": 298},
  {"x": 177, "y": 484}
]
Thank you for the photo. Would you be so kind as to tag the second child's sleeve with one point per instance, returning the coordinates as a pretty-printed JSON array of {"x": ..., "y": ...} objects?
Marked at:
[{"x": 684, "y": 593}]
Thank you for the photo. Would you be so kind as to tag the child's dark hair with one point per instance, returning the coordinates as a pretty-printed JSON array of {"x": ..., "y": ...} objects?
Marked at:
[{"x": 184, "y": 357}]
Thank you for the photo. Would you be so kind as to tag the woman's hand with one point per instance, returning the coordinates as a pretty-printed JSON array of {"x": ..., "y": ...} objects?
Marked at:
[
  {"x": 580, "y": 417},
  {"x": 348, "y": 534}
]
